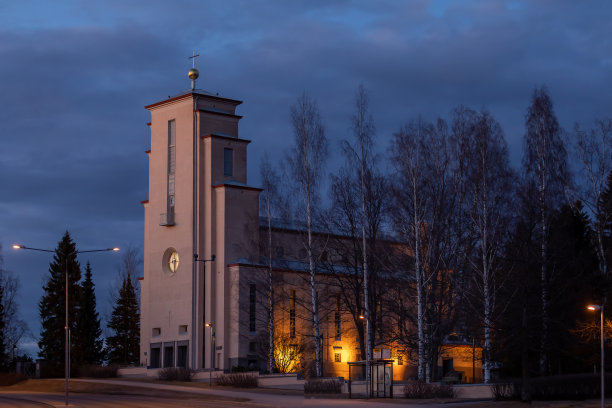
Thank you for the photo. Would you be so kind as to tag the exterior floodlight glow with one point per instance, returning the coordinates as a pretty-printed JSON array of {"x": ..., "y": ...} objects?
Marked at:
[{"x": 593, "y": 307}]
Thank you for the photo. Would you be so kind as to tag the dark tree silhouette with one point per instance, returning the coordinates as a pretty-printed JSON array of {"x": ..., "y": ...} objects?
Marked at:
[
  {"x": 90, "y": 343},
  {"x": 52, "y": 305},
  {"x": 4, "y": 359},
  {"x": 123, "y": 346},
  {"x": 544, "y": 165}
]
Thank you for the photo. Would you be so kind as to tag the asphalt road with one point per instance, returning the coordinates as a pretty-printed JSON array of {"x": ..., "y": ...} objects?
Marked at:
[{"x": 155, "y": 395}]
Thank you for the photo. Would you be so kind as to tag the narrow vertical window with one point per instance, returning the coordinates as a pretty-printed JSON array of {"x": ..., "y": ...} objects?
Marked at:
[
  {"x": 171, "y": 163},
  {"x": 228, "y": 162},
  {"x": 292, "y": 313},
  {"x": 337, "y": 320},
  {"x": 252, "y": 301}
]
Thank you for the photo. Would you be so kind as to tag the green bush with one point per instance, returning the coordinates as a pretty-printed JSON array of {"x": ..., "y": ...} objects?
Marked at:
[
  {"x": 7, "y": 379},
  {"x": 421, "y": 390},
  {"x": 323, "y": 386},
  {"x": 175, "y": 374},
  {"x": 241, "y": 380},
  {"x": 96, "y": 371}
]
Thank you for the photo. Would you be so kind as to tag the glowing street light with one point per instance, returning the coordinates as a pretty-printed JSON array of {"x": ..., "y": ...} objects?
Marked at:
[
  {"x": 67, "y": 330},
  {"x": 594, "y": 308}
]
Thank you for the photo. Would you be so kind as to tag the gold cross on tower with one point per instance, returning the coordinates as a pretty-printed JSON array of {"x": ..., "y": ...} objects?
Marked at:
[{"x": 193, "y": 72}]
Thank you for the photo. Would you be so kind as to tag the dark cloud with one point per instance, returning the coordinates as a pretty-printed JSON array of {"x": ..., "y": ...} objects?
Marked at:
[{"x": 75, "y": 76}]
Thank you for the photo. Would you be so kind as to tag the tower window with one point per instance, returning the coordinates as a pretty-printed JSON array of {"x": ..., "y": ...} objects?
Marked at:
[
  {"x": 252, "y": 301},
  {"x": 292, "y": 313},
  {"x": 171, "y": 163},
  {"x": 228, "y": 162}
]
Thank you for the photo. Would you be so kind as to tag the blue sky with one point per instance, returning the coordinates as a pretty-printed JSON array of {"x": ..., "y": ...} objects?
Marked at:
[{"x": 74, "y": 77}]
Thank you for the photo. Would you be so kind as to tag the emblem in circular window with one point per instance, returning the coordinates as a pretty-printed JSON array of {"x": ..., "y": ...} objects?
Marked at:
[
  {"x": 173, "y": 261},
  {"x": 170, "y": 261}
]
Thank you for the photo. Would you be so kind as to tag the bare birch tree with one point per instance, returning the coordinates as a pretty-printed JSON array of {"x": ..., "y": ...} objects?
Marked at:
[
  {"x": 306, "y": 159},
  {"x": 270, "y": 204},
  {"x": 489, "y": 194},
  {"x": 594, "y": 152},
  {"x": 544, "y": 163},
  {"x": 14, "y": 327},
  {"x": 407, "y": 156}
]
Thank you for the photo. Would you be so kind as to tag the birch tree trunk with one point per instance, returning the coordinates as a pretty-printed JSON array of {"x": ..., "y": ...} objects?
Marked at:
[
  {"x": 306, "y": 160},
  {"x": 544, "y": 164},
  {"x": 270, "y": 201}
]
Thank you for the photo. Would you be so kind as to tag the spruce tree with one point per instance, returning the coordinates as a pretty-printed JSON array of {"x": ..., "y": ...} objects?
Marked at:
[
  {"x": 52, "y": 305},
  {"x": 90, "y": 344},
  {"x": 123, "y": 346}
]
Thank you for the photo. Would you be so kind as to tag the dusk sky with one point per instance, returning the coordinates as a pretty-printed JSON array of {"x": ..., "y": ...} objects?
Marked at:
[{"x": 75, "y": 76}]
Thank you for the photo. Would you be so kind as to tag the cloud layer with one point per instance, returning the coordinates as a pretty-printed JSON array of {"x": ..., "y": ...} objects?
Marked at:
[{"x": 75, "y": 76}]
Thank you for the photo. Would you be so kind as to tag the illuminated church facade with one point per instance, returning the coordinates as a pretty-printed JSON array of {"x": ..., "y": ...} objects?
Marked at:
[{"x": 204, "y": 289}]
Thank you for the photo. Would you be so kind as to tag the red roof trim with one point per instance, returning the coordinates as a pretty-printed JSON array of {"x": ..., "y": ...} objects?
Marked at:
[
  {"x": 233, "y": 139},
  {"x": 148, "y": 151},
  {"x": 144, "y": 202},
  {"x": 140, "y": 278},
  {"x": 148, "y": 123}
]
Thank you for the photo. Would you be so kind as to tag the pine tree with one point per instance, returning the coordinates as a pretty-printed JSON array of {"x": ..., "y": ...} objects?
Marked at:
[
  {"x": 123, "y": 346},
  {"x": 52, "y": 305},
  {"x": 90, "y": 344}
]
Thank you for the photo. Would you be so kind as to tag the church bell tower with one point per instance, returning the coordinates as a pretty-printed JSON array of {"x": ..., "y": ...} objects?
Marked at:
[{"x": 197, "y": 221}]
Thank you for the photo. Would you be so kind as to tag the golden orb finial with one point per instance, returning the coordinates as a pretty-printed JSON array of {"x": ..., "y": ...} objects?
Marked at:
[{"x": 193, "y": 74}]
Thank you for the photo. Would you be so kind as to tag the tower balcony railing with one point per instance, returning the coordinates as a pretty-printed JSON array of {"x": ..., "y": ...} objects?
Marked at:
[{"x": 166, "y": 219}]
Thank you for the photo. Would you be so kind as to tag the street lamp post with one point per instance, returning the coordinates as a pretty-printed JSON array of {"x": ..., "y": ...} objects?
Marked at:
[
  {"x": 195, "y": 259},
  {"x": 601, "y": 328},
  {"x": 367, "y": 347},
  {"x": 212, "y": 355},
  {"x": 66, "y": 328}
]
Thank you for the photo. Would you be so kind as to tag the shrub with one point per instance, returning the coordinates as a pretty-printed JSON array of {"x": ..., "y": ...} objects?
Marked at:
[
  {"x": 175, "y": 374},
  {"x": 420, "y": 390},
  {"x": 323, "y": 386},
  {"x": 506, "y": 391},
  {"x": 7, "y": 379},
  {"x": 242, "y": 380},
  {"x": 239, "y": 369},
  {"x": 96, "y": 371}
]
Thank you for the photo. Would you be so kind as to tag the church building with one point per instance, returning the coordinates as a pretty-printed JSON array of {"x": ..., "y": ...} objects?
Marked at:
[{"x": 204, "y": 289}]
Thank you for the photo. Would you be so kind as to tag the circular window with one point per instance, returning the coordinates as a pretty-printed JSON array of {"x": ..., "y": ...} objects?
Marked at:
[{"x": 170, "y": 261}]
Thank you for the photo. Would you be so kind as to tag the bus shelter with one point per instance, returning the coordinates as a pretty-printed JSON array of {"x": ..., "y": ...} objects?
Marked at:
[{"x": 381, "y": 378}]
